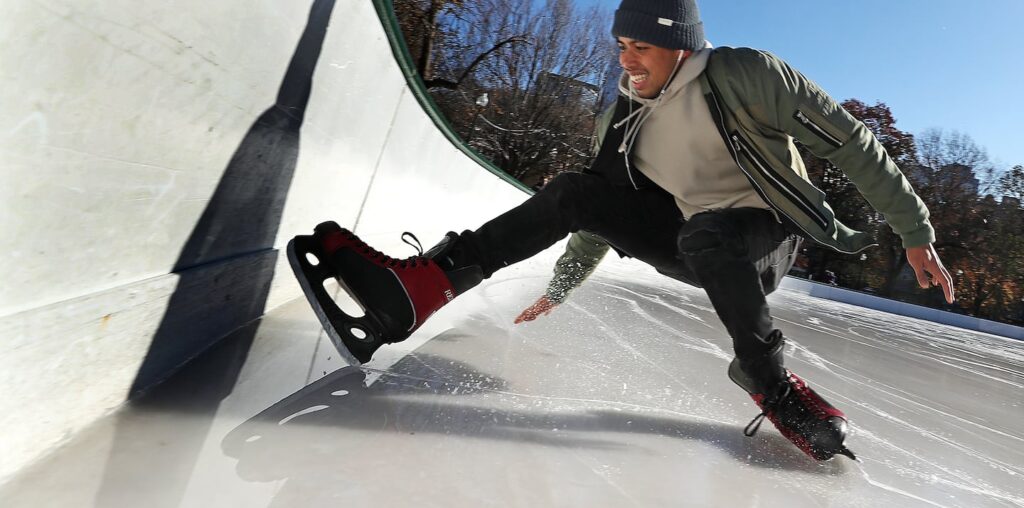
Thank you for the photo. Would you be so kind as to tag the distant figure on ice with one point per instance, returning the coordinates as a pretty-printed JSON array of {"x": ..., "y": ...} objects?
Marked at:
[
  {"x": 830, "y": 278},
  {"x": 827, "y": 277},
  {"x": 697, "y": 175}
]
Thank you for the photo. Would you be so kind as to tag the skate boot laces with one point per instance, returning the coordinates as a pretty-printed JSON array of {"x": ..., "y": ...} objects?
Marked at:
[
  {"x": 767, "y": 406},
  {"x": 792, "y": 386},
  {"x": 390, "y": 262},
  {"x": 803, "y": 417}
]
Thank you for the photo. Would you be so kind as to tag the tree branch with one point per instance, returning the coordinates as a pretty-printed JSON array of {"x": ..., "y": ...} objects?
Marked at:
[{"x": 452, "y": 85}]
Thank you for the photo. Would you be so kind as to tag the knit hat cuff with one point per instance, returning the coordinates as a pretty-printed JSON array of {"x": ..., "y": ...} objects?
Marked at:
[{"x": 661, "y": 32}]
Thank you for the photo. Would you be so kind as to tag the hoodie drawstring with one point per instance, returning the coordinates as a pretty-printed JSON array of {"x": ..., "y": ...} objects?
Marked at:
[{"x": 642, "y": 114}]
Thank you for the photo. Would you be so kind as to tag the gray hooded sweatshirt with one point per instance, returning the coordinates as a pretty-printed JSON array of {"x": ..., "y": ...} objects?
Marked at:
[{"x": 675, "y": 143}]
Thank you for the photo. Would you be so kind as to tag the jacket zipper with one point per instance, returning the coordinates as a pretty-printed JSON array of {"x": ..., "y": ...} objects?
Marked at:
[
  {"x": 795, "y": 196},
  {"x": 735, "y": 155},
  {"x": 816, "y": 129},
  {"x": 720, "y": 124}
]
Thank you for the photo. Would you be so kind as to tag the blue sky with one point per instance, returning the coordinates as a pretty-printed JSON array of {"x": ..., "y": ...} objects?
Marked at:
[{"x": 948, "y": 64}]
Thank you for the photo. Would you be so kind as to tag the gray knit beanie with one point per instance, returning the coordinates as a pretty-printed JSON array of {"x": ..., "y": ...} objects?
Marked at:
[{"x": 672, "y": 24}]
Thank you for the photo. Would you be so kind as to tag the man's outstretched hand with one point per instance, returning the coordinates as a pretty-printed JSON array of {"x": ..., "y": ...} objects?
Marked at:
[
  {"x": 929, "y": 270},
  {"x": 542, "y": 307}
]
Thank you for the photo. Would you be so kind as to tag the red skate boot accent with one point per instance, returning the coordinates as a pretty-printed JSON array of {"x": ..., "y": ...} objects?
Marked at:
[
  {"x": 800, "y": 414},
  {"x": 803, "y": 417},
  {"x": 397, "y": 295}
]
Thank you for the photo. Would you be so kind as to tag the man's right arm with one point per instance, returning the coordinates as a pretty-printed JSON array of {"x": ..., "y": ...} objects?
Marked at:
[
  {"x": 583, "y": 253},
  {"x": 585, "y": 250}
]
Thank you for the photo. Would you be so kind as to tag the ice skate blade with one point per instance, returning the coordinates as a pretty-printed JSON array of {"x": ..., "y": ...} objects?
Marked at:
[
  {"x": 846, "y": 452},
  {"x": 336, "y": 323}
]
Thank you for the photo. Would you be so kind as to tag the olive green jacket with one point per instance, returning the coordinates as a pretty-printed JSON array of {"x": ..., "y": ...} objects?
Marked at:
[{"x": 761, "y": 106}]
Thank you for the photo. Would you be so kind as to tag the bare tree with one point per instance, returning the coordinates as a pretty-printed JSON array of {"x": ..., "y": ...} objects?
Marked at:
[
  {"x": 1011, "y": 184},
  {"x": 542, "y": 65},
  {"x": 545, "y": 93},
  {"x": 940, "y": 150},
  {"x": 431, "y": 32},
  {"x": 419, "y": 20}
]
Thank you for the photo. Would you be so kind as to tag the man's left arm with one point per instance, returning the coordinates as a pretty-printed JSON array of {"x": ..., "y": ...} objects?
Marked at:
[{"x": 810, "y": 115}]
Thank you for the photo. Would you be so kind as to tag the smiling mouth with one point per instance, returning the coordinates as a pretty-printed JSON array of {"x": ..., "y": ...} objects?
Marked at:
[{"x": 638, "y": 78}]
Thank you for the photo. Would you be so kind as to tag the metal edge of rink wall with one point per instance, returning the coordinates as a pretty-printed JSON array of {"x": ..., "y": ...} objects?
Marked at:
[
  {"x": 899, "y": 308},
  {"x": 389, "y": 21}
]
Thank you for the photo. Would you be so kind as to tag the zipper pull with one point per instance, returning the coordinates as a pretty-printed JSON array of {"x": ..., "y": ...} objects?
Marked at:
[{"x": 736, "y": 143}]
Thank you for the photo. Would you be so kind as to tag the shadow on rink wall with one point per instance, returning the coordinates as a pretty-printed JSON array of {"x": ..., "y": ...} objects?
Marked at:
[{"x": 225, "y": 269}]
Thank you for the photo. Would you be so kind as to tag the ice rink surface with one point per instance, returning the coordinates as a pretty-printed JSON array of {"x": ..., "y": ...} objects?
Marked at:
[{"x": 618, "y": 398}]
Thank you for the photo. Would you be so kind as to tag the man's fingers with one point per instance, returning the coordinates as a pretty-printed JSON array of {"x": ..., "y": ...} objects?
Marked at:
[
  {"x": 542, "y": 307},
  {"x": 531, "y": 312},
  {"x": 939, "y": 276},
  {"x": 929, "y": 270},
  {"x": 947, "y": 289},
  {"x": 923, "y": 279},
  {"x": 525, "y": 316},
  {"x": 946, "y": 281}
]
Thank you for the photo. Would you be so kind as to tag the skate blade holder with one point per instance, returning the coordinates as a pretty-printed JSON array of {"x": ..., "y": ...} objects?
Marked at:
[
  {"x": 844, "y": 451},
  {"x": 355, "y": 338},
  {"x": 823, "y": 455}
]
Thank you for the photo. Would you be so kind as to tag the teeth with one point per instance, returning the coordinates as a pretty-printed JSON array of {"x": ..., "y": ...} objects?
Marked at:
[{"x": 637, "y": 77}]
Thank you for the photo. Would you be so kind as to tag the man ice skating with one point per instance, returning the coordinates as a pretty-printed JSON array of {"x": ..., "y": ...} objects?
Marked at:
[{"x": 697, "y": 175}]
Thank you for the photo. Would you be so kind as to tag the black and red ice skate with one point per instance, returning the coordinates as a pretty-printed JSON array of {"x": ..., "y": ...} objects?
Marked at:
[
  {"x": 801, "y": 415},
  {"x": 396, "y": 295}
]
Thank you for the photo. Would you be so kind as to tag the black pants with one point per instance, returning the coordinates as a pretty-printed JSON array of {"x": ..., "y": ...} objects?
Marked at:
[{"x": 737, "y": 255}]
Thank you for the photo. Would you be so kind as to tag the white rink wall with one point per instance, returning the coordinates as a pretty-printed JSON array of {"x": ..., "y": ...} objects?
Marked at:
[
  {"x": 149, "y": 185},
  {"x": 838, "y": 294}
]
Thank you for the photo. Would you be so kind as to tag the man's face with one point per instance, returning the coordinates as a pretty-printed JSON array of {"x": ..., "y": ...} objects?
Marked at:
[{"x": 649, "y": 66}]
